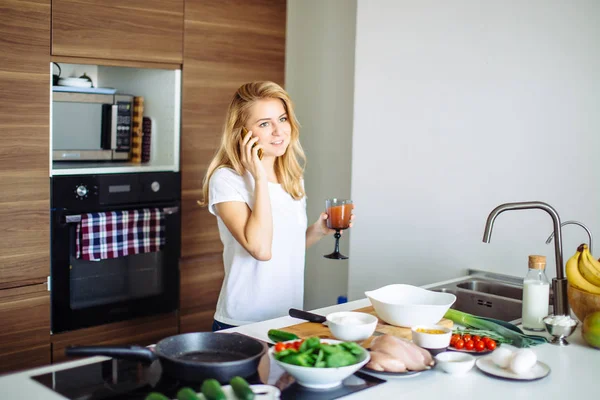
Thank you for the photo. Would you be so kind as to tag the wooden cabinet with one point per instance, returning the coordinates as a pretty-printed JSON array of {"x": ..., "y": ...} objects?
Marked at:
[
  {"x": 226, "y": 43},
  {"x": 201, "y": 280},
  {"x": 25, "y": 333},
  {"x": 24, "y": 154},
  {"x": 141, "y": 331},
  {"x": 135, "y": 30}
]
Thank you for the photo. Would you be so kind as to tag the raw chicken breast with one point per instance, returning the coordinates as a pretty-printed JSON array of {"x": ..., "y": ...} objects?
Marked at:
[
  {"x": 411, "y": 355},
  {"x": 384, "y": 362}
]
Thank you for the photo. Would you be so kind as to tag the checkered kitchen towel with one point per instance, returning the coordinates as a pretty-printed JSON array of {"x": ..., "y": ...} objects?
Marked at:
[{"x": 120, "y": 233}]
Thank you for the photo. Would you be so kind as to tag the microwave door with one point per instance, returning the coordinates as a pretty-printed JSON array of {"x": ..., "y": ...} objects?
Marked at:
[{"x": 76, "y": 125}]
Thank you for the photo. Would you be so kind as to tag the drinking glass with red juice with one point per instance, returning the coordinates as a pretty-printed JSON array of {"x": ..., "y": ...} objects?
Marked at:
[{"x": 338, "y": 218}]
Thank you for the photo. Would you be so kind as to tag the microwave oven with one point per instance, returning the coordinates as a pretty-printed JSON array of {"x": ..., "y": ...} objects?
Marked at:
[{"x": 91, "y": 126}]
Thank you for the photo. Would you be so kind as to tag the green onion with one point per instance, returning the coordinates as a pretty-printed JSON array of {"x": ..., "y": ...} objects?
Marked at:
[{"x": 511, "y": 336}]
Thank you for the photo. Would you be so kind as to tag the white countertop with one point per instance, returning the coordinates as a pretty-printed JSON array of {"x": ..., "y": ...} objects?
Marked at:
[{"x": 574, "y": 373}]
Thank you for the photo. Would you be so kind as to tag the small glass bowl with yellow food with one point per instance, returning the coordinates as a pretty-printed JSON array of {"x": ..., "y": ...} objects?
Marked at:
[{"x": 434, "y": 338}]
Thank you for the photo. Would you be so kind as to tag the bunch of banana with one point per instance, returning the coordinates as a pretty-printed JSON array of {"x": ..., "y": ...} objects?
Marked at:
[{"x": 583, "y": 270}]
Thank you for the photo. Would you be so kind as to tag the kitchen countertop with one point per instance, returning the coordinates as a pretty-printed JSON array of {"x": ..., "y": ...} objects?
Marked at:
[{"x": 574, "y": 371}]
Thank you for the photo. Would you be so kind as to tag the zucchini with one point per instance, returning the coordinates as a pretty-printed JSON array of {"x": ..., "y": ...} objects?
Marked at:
[
  {"x": 241, "y": 388},
  {"x": 156, "y": 396},
  {"x": 281, "y": 336},
  {"x": 211, "y": 389},
  {"x": 187, "y": 393}
]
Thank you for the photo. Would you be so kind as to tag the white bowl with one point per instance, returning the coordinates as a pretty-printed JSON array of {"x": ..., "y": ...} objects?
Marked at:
[
  {"x": 431, "y": 341},
  {"x": 453, "y": 362},
  {"x": 322, "y": 378},
  {"x": 407, "y": 305},
  {"x": 351, "y": 326}
]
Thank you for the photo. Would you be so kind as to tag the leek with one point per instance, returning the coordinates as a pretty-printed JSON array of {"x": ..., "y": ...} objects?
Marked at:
[{"x": 512, "y": 336}]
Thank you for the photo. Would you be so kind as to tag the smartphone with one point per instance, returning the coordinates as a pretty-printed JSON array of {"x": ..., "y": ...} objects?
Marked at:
[{"x": 244, "y": 133}]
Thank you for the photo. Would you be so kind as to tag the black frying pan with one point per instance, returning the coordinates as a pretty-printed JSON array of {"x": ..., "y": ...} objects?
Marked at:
[{"x": 191, "y": 356}]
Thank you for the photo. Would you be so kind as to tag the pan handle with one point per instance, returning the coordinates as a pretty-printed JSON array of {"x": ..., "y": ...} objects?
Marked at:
[
  {"x": 308, "y": 316},
  {"x": 133, "y": 353}
]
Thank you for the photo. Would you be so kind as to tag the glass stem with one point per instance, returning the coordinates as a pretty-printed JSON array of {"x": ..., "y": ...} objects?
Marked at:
[{"x": 337, "y": 235}]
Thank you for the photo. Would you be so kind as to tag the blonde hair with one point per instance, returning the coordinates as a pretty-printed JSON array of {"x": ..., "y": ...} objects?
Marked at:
[{"x": 289, "y": 168}]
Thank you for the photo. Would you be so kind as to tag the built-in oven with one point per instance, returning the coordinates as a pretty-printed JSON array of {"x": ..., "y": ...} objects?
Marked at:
[{"x": 115, "y": 247}]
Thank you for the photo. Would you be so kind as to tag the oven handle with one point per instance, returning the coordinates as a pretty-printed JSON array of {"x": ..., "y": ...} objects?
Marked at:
[{"x": 70, "y": 219}]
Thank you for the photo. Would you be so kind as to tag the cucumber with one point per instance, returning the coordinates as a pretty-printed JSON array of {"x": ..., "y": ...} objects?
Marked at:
[
  {"x": 211, "y": 389},
  {"x": 281, "y": 336},
  {"x": 241, "y": 388},
  {"x": 187, "y": 393},
  {"x": 156, "y": 396}
]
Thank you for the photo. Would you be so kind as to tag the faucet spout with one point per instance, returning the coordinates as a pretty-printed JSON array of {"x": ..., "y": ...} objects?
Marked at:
[{"x": 559, "y": 284}]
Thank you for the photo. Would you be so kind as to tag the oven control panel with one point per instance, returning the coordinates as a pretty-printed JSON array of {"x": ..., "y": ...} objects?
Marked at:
[{"x": 91, "y": 192}]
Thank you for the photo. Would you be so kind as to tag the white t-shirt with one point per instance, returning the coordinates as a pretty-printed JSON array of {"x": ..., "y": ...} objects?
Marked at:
[{"x": 255, "y": 290}]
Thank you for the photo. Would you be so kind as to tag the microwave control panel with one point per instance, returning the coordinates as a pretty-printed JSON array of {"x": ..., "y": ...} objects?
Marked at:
[{"x": 124, "y": 116}]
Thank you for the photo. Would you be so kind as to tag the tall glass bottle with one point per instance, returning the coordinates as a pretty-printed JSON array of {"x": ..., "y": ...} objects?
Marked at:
[{"x": 536, "y": 294}]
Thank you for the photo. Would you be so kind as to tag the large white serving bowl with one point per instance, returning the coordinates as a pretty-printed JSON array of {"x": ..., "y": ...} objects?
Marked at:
[
  {"x": 322, "y": 378},
  {"x": 407, "y": 305}
]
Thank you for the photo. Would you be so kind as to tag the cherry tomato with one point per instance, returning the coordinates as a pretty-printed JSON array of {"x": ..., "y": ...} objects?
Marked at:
[
  {"x": 459, "y": 344},
  {"x": 466, "y": 337},
  {"x": 279, "y": 346},
  {"x": 491, "y": 344},
  {"x": 476, "y": 338},
  {"x": 470, "y": 345},
  {"x": 454, "y": 338},
  {"x": 480, "y": 345}
]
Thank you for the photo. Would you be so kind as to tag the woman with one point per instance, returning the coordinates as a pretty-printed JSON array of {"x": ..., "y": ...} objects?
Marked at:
[{"x": 260, "y": 205}]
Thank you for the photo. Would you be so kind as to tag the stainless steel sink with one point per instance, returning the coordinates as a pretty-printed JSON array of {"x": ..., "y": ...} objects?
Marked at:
[
  {"x": 485, "y": 304},
  {"x": 487, "y": 295},
  {"x": 491, "y": 287}
]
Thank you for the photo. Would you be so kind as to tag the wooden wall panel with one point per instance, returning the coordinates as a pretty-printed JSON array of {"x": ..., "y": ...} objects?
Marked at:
[
  {"x": 141, "y": 331},
  {"x": 24, "y": 133},
  {"x": 25, "y": 333},
  {"x": 24, "y": 39},
  {"x": 226, "y": 44},
  {"x": 142, "y": 30},
  {"x": 24, "y": 242},
  {"x": 201, "y": 280}
]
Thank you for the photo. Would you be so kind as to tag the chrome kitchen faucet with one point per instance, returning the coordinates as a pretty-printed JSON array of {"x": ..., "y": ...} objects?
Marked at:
[
  {"x": 560, "y": 301},
  {"x": 589, "y": 233}
]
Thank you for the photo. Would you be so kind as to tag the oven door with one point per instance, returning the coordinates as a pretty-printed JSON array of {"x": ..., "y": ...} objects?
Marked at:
[{"x": 90, "y": 293}]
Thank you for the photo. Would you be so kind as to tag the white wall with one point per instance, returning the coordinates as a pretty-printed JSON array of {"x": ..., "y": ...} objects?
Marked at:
[
  {"x": 319, "y": 78},
  {"x": 458, "y": 107}
]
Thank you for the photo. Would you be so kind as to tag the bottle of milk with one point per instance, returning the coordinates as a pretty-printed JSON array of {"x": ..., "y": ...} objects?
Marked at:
[{"x": 536, "y": 294}]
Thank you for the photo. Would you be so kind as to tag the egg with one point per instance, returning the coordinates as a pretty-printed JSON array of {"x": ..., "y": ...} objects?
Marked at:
[
  {"x": 522, "y": 361},
  {"x": 502, "y": 357}
]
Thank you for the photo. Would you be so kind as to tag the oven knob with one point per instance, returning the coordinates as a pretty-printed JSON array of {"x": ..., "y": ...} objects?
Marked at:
[
  {"x": 81, "y": 191},
  {"x": 155, "y": 186}
]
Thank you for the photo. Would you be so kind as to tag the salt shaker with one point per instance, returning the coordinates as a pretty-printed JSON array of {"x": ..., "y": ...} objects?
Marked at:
[{"x": 536, "y": 294}]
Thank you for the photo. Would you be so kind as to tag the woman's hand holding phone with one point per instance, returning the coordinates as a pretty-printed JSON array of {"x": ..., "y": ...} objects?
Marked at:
[{"x": 251, "y": 154}]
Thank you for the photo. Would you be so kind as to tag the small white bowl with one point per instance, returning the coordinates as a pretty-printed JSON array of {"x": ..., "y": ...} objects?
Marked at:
[
  {"x": 407, "y": 305},
  {"x": 322, "y": 378},
  {"x": 351, "y": 326},
  {"x": 455, "y": 363},
  {"x": 431, "y": 341}
]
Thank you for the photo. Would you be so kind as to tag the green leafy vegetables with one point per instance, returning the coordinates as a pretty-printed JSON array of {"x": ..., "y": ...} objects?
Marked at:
[{"x": 313, "y": 353}]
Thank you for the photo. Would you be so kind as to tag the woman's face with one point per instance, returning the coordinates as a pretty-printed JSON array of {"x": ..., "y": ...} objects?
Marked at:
[{"x": 269, "y": 122}]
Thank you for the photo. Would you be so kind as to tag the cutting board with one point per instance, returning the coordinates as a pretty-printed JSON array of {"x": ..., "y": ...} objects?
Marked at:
[{"x": 307, "y": 329}]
